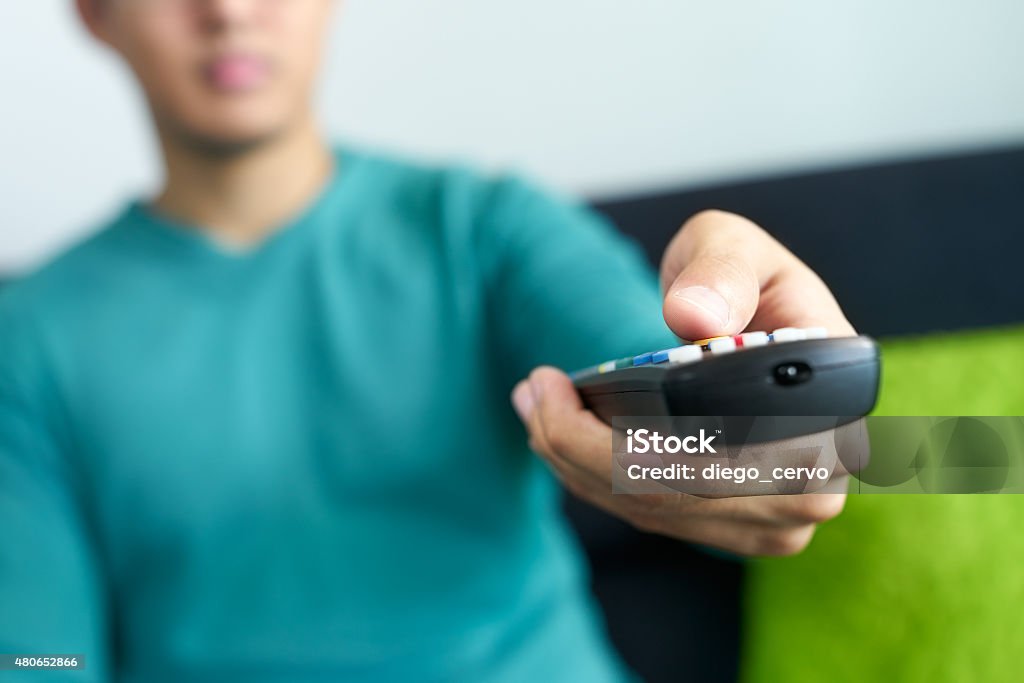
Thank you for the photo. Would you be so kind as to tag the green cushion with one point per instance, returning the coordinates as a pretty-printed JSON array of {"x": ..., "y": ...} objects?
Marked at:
[{"x": 906, "y": 587}]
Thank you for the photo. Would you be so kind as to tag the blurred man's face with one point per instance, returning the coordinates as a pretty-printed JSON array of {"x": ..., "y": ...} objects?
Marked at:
[{"x": 220, "y": 73}]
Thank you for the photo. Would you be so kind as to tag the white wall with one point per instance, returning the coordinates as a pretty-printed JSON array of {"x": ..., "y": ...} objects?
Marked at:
[{"x": 599, "y": 96}]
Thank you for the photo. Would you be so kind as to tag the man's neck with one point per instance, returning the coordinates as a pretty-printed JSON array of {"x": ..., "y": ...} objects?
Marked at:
[{"x": 239, "y": 199}]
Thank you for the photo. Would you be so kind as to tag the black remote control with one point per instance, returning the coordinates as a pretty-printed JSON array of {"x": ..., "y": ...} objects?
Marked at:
[{"x": 789, "y": 372}]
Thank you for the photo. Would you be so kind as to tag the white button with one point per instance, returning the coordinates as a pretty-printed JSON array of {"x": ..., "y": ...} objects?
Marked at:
[
  {"x": 723, "y": 345},
  {"x": 815, "y": 333},
  {"x": 788, "y": 334},
  {"x": 754, "y": 339},
  {"x": 685, "y": 354},
  {"x": 606, "y": 367}
]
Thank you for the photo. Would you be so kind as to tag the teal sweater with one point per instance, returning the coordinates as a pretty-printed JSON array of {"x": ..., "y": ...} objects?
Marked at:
[{"x": 299, "y": 463}]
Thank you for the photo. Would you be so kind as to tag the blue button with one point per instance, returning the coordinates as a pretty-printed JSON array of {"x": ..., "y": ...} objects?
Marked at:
[
  {"x": 642, "y": 359},
  {"x": 660, "y": 356}
]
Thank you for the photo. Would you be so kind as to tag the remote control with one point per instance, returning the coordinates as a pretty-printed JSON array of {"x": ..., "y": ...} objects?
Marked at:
[{"x": 789, "y": 372}]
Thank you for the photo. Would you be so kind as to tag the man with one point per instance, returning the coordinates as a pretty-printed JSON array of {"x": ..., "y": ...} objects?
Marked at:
[{"x": 258, "y": 427}]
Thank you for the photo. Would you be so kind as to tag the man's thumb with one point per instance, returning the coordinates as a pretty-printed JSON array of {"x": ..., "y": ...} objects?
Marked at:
[{"x": 715, "y": 294}]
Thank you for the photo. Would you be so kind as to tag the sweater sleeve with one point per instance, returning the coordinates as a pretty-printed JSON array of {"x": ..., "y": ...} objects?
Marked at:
[
  {"x": 566, "y": 288},
  {"x": 51, "y": 601}
]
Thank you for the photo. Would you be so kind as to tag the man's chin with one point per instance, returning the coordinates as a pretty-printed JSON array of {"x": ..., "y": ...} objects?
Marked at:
[{"x": 225, "y": 142}]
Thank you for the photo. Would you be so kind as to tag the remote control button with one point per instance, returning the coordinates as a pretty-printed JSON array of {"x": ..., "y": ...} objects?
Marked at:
[
  {"x": 722, "y": 345},
  {"x": 754, "y": 339},
  {"x": 788, "y": 334},
  {"x": 706, "y": 342},
  {"x": 624, "y": 363},
  {"x": 643, "y": 359},
  {"x": 815, "y": 333},
  {"x": 660, "y": 356},
  {"x": 606, "y": 367},
  {"x": 685, "y": 354}
]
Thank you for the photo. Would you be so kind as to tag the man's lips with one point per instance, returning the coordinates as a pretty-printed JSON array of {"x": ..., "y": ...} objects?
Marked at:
[{"x": 237, "y": 72}]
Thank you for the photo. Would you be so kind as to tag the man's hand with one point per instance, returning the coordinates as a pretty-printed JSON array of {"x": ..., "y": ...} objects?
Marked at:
[{"x": 721, "y": 274}]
